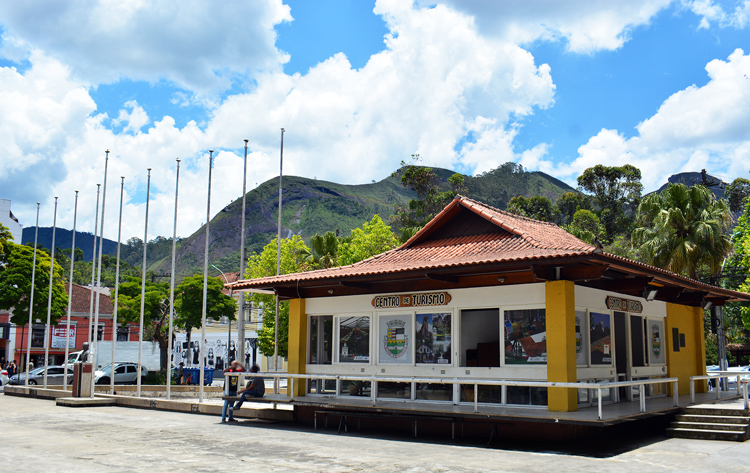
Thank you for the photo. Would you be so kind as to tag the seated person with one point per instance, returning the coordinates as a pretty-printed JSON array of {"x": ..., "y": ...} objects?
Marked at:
[
  {"x": 235, "y": 367},
  {"x": 255, "y": 388}
]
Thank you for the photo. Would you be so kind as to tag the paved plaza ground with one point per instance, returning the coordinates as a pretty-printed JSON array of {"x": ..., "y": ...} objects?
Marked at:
[{"x": 38, "y": 436}]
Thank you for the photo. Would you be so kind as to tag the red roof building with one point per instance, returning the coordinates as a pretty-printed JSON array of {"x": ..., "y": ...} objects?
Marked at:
[{"x": 482, "y": 296}]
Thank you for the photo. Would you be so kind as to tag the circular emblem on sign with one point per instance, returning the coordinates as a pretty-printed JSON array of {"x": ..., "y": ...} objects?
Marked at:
[{"x": 395, "y": 341}]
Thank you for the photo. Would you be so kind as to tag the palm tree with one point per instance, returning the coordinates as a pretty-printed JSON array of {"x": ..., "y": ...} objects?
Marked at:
[
  {"x": 323, "y": 251},
  {"x": 682, "y": 229}
]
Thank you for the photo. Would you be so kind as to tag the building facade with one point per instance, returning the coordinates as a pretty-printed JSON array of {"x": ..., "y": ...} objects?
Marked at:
[{"x": 483, "y": 295}]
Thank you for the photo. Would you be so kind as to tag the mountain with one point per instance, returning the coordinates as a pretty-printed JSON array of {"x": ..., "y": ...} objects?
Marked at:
[
  {"x": 310, "y": 206},
  {"x": 716, "y": 185},
  {"x": 64, "y": 240}
]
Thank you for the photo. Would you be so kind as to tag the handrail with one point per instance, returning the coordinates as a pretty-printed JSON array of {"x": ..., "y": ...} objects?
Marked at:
[
  {"x": 476, "y": 383},
  {"x": 716, "y": 375}
]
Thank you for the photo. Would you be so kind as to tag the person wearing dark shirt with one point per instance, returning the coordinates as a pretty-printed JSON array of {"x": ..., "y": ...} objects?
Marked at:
[{"x": 255, "y": 388}]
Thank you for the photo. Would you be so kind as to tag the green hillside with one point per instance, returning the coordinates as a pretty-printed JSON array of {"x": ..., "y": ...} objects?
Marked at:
[{"x": 312, "y": 206}]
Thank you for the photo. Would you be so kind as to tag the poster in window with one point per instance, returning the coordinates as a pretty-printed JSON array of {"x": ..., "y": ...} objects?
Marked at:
[
  {"x": 433, "y": 338},
  {"x": 601, "y": 339},
  {"x": 354, "y": 339},
  {"x": 525, "y": 336},
  {"x": 581, "y": 338},
  {"x": 396, "y": 339},
  {"x": 656, "y": 341},
  {"x": 59, "y": 336}
]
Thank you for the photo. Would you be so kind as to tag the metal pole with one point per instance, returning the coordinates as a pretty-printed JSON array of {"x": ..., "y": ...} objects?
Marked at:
[
  {"x": 278, "y": 271},
  {"x": 171, "y": 284},
  {"x": 31, "y": 296},
  {"x": 241, "y": 309},
  {"x": 229, "y": 321},
  {"x": 205, "y": 280},
  {"x": 117, "y": 294},
  {"x": 70, "y": 294},
  {"x": 93, "y": 274},
  {"x": 49, "y": 297},
  {"x": 143, "y": 288},
  {"x": 95, "y": 350}
]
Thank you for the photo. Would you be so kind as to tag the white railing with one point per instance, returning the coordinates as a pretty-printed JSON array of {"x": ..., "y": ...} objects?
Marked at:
[
  {"x": 599, "y": 387},
  {"x": 718, "y": 375}
]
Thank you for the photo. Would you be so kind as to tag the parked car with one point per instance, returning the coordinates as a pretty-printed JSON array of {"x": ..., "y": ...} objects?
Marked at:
[
  {"x": 3, "y": 377},
  {"x": 36, "y": 376},
  {"x": 125, "y": 373}
]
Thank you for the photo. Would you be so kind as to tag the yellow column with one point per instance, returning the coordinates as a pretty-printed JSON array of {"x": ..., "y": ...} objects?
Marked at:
[
  {"x": 297, "y": 347},
  {"x": 690, "y": 360},
  {"x": 561, "y": 344}
]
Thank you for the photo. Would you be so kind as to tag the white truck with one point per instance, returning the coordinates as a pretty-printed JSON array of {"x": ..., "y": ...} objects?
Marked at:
[{"x": 124, "y": 351}]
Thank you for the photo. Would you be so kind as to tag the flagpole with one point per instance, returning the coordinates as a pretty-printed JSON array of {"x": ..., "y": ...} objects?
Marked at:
[
  {"x": 49, "y": 297},
  {"x": 241, "y": 318},
  {"x": 95, "y": 350},
  {"x": 205, "y": 279},
  {"x": 70, "y": 294},
  {"x": 31, "y": 296},
  {"x": 117, "y": 293},
  {"x": 143, "y": 289},
  {"x": 171, "y": 283},
  {"x": 93, "y": 275},
  {"x": 278, "y": 271}
]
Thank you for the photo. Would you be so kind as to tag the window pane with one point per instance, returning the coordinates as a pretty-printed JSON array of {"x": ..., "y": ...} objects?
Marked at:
[
  {"x": 601, "y": 340},
  {"x": 582, "y": 333},
  {"x": 655, "y": 341},
  {"x": 355, "y": 388},
  {"x": 434, "y": 392},
  {"x": 525, "y": 336},
  {"x": 433, "y": 338},
  {"x": 487, "y": 394},
  {"x": 394, "y": 390},
  {"x": 354, "y": 339},
  {"x": 321, "y": 340}
]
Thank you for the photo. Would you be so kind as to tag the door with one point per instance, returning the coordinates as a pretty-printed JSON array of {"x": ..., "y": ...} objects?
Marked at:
[{"x": 622, "y": 362}]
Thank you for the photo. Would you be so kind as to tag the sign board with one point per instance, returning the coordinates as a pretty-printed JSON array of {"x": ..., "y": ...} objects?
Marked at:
[
  {"x": 59, "y": 336},
  {"x": 420, "y": 299},
  {"x": 626, "y": 305}
]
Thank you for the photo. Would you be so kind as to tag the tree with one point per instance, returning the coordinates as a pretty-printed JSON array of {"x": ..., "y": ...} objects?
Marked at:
[
  {"x": 323, "y": 251},
  {"x": 683, "y": 228},
  {"x": 156, "y": 312},
  {"x": 736, "y": 193},
  {"x": 586, "y": 226},
  {"x": 741, "y": 258},
  {"x": 188, "y": 303},
  {"x": 616, "y": 192},
  {"x": 568, "y": 204},
  {"x": 430, "y": 199},
  {"x": 15, "y": 284},
  {"x": 372, "y": 239},
  {"x": 536, "y": 207},
  {"x": 5, "y": 236},
  {"x": 262, "y": 265}
]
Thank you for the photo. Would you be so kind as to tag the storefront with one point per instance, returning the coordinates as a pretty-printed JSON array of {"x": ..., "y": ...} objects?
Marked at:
[{"x": 480, "y": 294}]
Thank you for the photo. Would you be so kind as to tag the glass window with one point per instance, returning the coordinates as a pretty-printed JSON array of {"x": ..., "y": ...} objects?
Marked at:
[
  {"x": 321, "y": 340},
  {"x": 480, "y": 337},
  {"x": 99, "y": 333},
  {"x": 433, "y": 338},
  {"x": 37, "y": 337},
  {"x": 354, "y": 339},
  {"x": 525, "y": 336},
  {"x": 388, "y": 389},
  {"x": 123, "y": 333},
  {"x": 600, "y": 327},
  {"x": 582, "y": 336},
  {"x": 395, "y": 339}
]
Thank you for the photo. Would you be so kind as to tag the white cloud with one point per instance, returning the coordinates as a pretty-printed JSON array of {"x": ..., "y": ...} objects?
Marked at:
[
  {"x": 696, "y": 128},
  {"x": 200, "y": 46},
  {"x": 134, "y": 120},
  {"x": 587, "y": 25},
  {"x": 711, "y": 12}
]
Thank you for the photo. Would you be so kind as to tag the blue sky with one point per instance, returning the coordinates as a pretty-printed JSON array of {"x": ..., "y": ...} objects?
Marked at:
[{"x": 358, "y": 86}]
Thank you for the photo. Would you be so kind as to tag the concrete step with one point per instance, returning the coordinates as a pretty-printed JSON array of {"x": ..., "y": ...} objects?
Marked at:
[
  {"x": 710, "y": 426},
  {"x": 709, "y": 418},
  {"x": 702, "y": 434},
  {"x": 715, "y": 411}
]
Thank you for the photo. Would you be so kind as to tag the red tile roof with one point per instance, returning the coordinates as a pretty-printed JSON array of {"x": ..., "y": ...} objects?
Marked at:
[
  {"x": 82, "y": 300},
  {"x": 508, "y": 237}
]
